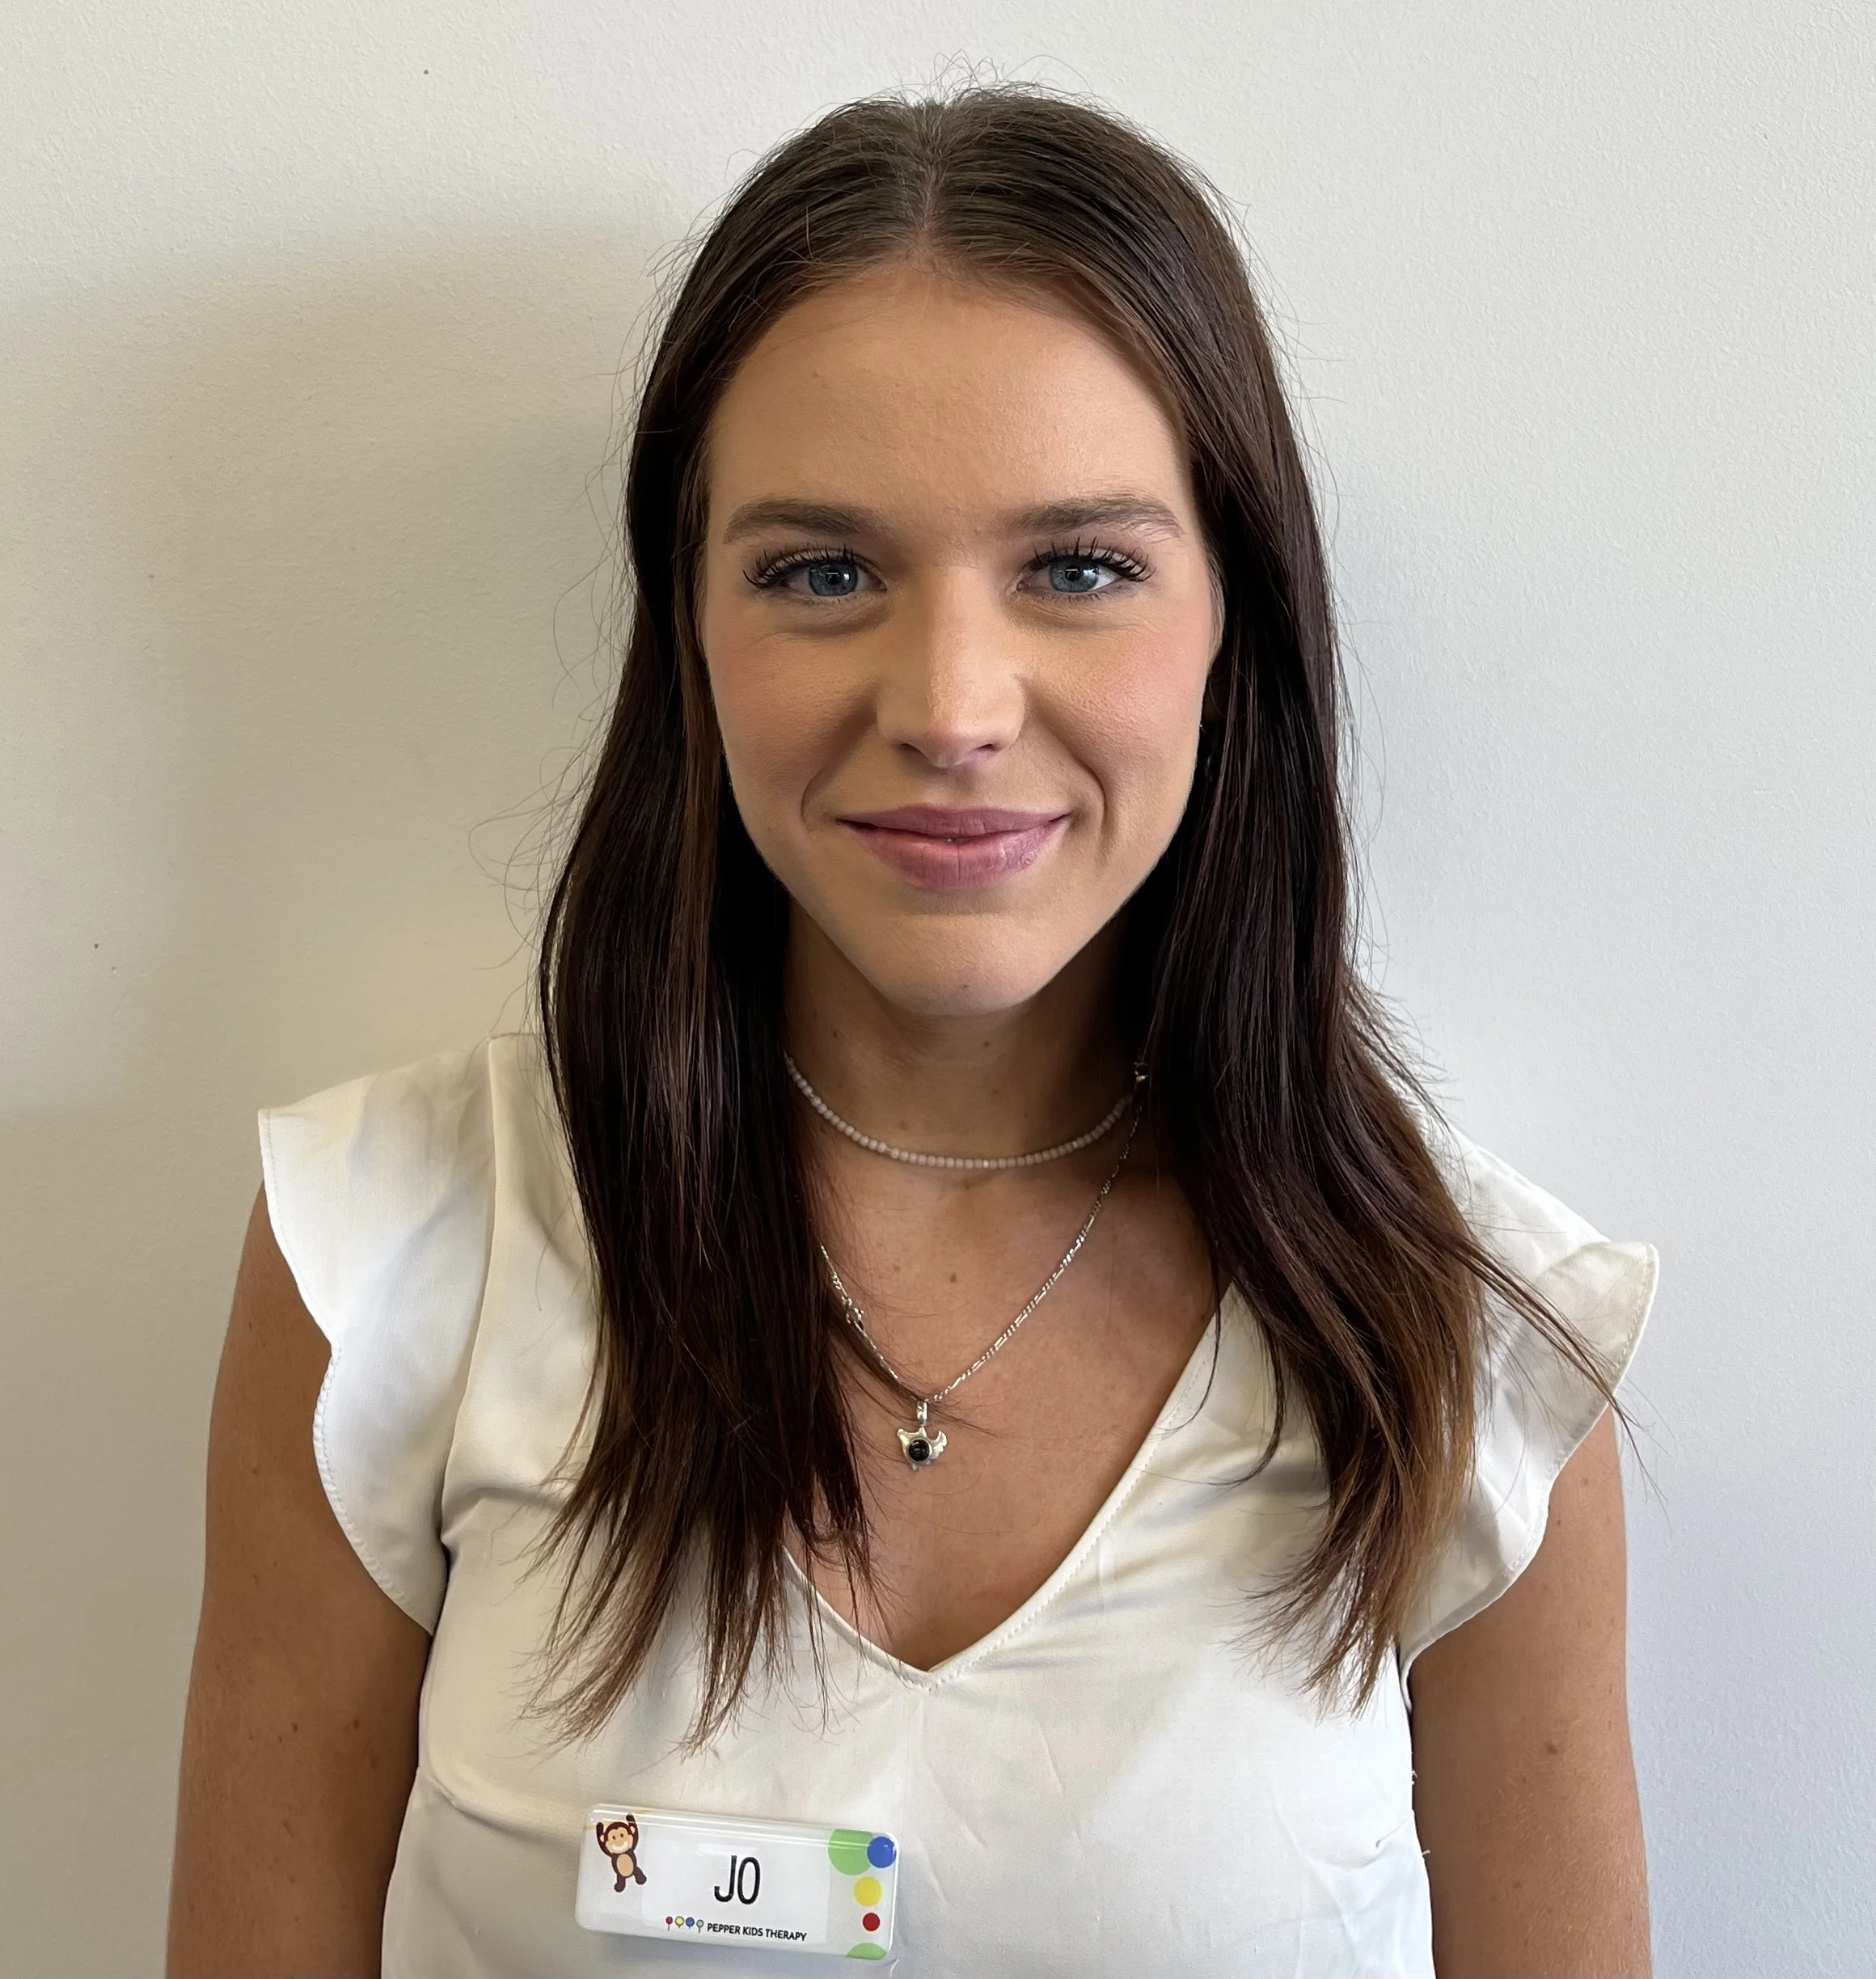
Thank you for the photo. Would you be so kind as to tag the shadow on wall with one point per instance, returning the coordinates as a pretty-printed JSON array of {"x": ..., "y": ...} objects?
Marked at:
[{"x": 313, "y": 557}]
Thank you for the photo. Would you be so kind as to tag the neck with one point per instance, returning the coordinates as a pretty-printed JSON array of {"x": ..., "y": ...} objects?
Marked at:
[{"x": 1004, "y": 1082}]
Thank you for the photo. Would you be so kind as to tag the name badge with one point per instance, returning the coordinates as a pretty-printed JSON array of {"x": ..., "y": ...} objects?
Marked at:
[{"x": 713, "y": 1879}]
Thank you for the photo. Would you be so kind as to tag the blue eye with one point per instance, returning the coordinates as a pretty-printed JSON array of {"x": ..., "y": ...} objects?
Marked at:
[
  {"x": 1087, "y": 569},
  {"x": 831, "y": 579},
  {"x": 1073, "y": 576}
]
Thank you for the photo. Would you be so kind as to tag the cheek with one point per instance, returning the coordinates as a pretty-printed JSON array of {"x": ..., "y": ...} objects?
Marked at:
[
  {"x": 1134, "y": 724},
  {"x": 781, "y": 720}
]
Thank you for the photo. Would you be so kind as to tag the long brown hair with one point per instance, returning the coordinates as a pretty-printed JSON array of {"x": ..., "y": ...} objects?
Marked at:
[{"x": 1284, "y": 1107}]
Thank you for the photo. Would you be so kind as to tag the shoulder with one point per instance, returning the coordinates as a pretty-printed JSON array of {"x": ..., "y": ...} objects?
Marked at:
[
  {"x": 1525, "y": 1226},
  {"x": 381, "y": 1156},
  {"x": 1601, "y": 1288},
  {"x": 413, "y": 1155}
]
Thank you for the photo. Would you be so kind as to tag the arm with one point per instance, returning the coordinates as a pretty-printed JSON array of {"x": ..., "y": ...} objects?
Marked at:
[
  {"x": 1524, "y": 1789},
  {"x": 300, "y": 1740}
]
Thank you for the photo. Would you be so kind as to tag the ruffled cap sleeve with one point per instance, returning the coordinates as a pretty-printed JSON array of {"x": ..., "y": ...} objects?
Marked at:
[
  {"x": 380, "y": 1193},
  {"x": 1534, "y": 1408}
]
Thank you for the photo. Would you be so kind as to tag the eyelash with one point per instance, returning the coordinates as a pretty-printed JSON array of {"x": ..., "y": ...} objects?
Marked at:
[
  {"x": 1120, "y": 562},
  {"x": 769, "y": 571}
]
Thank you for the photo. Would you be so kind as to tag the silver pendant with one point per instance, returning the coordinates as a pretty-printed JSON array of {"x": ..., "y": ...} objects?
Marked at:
[{"x": 923, "y": 1447}]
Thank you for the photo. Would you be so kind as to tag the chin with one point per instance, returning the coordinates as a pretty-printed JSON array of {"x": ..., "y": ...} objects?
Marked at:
[{"x": 958, "y": 978}]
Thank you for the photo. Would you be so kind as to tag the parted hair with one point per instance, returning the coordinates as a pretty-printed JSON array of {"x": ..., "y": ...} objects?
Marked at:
[{"x": 717, "y": 1422}]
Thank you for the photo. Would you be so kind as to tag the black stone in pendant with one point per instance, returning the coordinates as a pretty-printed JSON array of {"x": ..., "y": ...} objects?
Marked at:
[{"x": 923, "y": 1447}]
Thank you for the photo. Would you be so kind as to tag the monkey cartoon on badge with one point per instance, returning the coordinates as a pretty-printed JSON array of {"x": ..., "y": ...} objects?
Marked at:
[{"x": 619, "y": 1843}]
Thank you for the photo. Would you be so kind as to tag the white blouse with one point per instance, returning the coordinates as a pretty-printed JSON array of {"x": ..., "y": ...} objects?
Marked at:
[{"x": 1114, "y": 1781}]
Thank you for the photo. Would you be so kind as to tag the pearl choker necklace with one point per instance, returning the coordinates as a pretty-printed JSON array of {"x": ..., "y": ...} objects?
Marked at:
[{"x": 959, "y": 1160}]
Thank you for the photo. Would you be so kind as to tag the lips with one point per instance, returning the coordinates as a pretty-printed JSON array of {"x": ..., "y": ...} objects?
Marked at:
[{"x": 948, "y": 848}]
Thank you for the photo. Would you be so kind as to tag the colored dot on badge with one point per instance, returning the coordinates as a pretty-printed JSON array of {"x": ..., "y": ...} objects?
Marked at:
[
  {"x": 870, "y": 1921},
  {"x": 881, "y": 1852},
  {"x": 847, "y": 1850},
  {"x": 866, "y": 1892}
]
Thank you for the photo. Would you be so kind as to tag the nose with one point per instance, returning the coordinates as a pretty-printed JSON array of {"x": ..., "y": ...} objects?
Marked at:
[{"x": 950, "y": 691}]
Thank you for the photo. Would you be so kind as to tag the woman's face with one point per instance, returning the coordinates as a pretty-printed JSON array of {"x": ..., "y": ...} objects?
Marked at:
[{"x": 957, "y": 614}]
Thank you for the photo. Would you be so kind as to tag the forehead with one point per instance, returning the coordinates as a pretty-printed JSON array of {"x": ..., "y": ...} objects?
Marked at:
[{"x": 939, "y": 402}]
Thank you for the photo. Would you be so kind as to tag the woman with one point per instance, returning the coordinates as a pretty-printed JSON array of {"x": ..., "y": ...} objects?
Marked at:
[{"x": 962, "y": 1332}]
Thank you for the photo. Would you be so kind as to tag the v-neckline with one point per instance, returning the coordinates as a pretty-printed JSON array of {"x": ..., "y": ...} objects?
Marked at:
[{"x": 1020, "y": 1618}]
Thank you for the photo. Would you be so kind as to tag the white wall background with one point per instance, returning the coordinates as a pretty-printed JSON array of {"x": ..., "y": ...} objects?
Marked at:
[{"x": 309, "y": 325}]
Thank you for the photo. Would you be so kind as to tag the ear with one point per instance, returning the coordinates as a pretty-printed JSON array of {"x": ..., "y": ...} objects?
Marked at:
[{"x": 1211, "y": 708}]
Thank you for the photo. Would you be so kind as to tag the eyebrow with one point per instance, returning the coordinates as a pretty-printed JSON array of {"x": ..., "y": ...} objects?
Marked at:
[{"x": 1122, "y": 511}]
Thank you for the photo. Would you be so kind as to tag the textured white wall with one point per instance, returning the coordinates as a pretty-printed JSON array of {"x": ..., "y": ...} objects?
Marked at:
[{"x": 309, "y": 323}]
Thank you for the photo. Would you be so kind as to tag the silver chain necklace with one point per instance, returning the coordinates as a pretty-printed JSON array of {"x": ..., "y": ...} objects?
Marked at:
[
  {"x": 953, "y": 1161},
  {"x": 922, "y": 1445}
]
